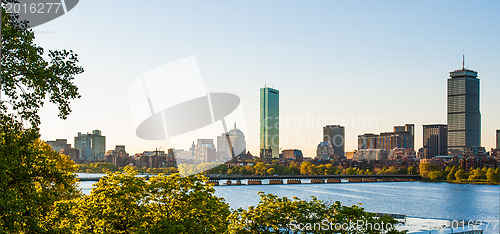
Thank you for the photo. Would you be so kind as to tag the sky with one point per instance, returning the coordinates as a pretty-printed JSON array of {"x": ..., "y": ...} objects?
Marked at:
[{"x": 366, "y": 65}]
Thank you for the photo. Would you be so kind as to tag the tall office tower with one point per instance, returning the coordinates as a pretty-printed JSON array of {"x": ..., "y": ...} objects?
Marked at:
[
  {"x": 498, "y": 139},
  {"x": 410, "y": 128},
  {"x": 435, "y": 140},
  {"x": 269, "y": 122},
  {"x": 335, "y": 134},
  {"x": 91, "y": 146},
  {"x": 464, "y": 118},
  {"x": 238, "y": 145}
]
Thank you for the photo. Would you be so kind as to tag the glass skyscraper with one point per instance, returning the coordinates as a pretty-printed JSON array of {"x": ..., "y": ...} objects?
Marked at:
[
  {"x": 269, "y": 123},
  {"x": 464, "y": 118},
  {"x": 435, "y": 140}
]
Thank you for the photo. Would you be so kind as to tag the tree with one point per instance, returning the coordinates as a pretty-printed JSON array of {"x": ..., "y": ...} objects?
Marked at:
[
  {"x": 460, "y": 175},
  {"x": 481, "y": 172},
  {"x": 306, "y": 168},
  {"x": 350, "y": 171},
  {"x": 426, "y": 168},
  {"x": 276, "y": 214},
  {"x": 294, "y": 168},
  {"x": 260, "y": 168},
  {"x": 491, "y": 176},
  {"x": 271, "y": 171},
  {"x": 27, "y": 79},
  {"x": 403, "y": 171},
  {"x": 434, "y": 175},
  {"x": 447, "y": 169},
  {"x": 330, "y": 170},
  {"x": 124, "y": 203},
  {"x": 391, "y": 170},
  {"x": 412, "y": 170},
  {"x": 451, "y": 176},
  {"x": 33, "y": 178},
  {"x": 320, "y": 170}
]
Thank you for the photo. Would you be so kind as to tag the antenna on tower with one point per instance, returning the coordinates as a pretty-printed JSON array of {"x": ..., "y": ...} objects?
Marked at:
[{"x": 463, "y": 59}]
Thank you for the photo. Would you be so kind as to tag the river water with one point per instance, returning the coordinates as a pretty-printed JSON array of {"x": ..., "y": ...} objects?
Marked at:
[{"x": 418, "y": 200}]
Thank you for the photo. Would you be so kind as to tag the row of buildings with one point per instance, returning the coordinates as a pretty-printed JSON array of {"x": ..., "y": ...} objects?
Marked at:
[
  {"x": 87, "y": 148},
  {"x": 460, "y": 136},
  {"x": 91, "y": 147}
]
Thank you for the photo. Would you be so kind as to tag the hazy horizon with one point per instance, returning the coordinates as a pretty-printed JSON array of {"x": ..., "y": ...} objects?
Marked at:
[{"x": 365, "y": 65}]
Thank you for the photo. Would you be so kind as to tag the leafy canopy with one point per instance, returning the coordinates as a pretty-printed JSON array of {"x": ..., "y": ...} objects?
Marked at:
[{"x": 27, "y": 79}]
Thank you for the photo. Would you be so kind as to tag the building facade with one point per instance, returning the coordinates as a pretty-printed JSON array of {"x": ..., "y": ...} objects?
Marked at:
[
  {"x": 498, "y": 139},
  {"x": 59, "y": 144},
  {"x": 269, "y": 122},
  {"x": 335, "y": 134},
  {"x": 371, "y": 155},
  {"x": 435, "y": 140},
  {"x": 464, "y": 117},
  {"x": 91, "y": 146},
  {"x": 151, "y": 159},
  {"x": 235, "y": 147},
  {"x": 293, "y": 155},
  {"x": 324, "y": 151},
  {"x": 401, "y": 137},
  {"x": 367, "y": 141},
  {"x": 400, "y": 154},
  {"x": 205, "y": 151},
  {"x": 118, "y": 156}
]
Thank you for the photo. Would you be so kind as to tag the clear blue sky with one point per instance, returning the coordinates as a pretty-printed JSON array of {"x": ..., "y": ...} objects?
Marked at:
[{"x": 367, "y": 65}]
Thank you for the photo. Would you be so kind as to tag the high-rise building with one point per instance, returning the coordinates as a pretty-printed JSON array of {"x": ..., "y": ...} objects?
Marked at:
[
  {"x": 464, "y": 117},
  {"x": 91, "y": 146},
  {"x": 335, "y": 134},
  {"x": 205, "y": 151},
  {"x": 269, "y": 122},
  {"x": 402, "y": 137},
  {"x": 59, "y": 144},
  {"x": 498, "y": 139},
  {"x": 435, "y": 140},
  {"x": 367, "y": 141},
  {"x": 237, "y": 148}
]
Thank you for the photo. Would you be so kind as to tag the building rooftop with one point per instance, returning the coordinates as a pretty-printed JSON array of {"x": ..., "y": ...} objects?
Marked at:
[{"x": 463, "y": 72}]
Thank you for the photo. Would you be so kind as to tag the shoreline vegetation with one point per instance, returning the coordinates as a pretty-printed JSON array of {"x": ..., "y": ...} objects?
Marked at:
[{"x": 428, "y": 172}]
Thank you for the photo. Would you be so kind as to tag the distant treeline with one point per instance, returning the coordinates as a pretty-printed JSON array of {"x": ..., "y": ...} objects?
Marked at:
[
  {"x": 103, "y": 167},
  {"x": 459, "y": 175},
  {"x": 425, "y": 170}
]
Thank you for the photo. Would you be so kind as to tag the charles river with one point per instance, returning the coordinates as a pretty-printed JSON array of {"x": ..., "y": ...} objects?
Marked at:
[{"x": 426, "y": 205}]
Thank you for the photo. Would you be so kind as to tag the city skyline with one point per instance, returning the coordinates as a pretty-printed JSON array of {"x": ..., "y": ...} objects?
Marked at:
[
  {"x": 367, "y": 67},
  {"x": 456, "y": 73}
]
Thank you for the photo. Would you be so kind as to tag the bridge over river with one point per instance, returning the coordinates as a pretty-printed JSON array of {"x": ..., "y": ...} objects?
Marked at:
[{"x": 293, "y": 179}]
